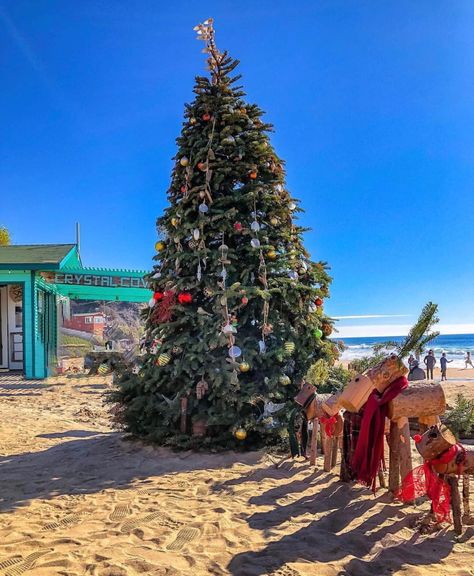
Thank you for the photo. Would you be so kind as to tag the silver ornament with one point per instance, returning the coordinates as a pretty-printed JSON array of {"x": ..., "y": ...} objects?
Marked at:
[
  {"x": 235, "y": 352},
  {"x": 255, "y": 226},
  {"x": 196, "y": 234},
  {"x": 203, "y": 208},
  {"x": 255, "y": 242}
]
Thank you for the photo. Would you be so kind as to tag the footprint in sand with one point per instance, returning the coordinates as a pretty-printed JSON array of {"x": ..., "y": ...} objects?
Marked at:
[
  {"x": 19, "y": 566},
  {"x": 68, "y": 521},
  {"x": 184, "y": 536},
  {"x": 120, "y": 512},
  {"x": 130, "y": 525}
]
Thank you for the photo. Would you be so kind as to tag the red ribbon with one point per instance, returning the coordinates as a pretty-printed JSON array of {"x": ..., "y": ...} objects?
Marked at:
[
  {"x": 424, "y": 481},
  {"x": 329, "y": 425}
]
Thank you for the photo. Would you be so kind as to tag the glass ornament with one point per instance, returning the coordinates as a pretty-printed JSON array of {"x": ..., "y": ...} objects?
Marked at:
[
  {"x": 255, "y": 242},
  {"x": 235, "y": 352},
  {"x": 203, "y": 208}
]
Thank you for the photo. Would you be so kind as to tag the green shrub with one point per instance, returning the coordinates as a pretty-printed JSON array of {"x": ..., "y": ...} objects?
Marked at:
[
  {"x": 460, "y": 418},
  {"x": 327, "y": 379}
]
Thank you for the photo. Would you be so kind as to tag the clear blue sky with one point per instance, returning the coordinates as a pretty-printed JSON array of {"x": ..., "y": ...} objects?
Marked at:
[{"x": 372, "y": 103}]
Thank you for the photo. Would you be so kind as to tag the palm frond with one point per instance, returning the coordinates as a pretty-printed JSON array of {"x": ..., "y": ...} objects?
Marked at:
[{"x": 419, "y": 334}]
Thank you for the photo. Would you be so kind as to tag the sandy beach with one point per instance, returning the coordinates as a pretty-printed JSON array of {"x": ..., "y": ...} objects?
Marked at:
[{"x": 77, "y": 499}]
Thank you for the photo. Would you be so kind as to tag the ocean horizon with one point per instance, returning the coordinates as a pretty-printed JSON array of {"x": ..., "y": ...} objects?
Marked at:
[{"x": 454, "y": 345}]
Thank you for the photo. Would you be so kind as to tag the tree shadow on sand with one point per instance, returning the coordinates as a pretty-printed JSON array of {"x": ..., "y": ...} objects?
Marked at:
[
  {"x": 89, "y": 465},
  {"x": 369, "y": 548}
]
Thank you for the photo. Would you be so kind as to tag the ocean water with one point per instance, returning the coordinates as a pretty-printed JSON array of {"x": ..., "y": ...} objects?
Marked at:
[{"x": 455, "y": 346}]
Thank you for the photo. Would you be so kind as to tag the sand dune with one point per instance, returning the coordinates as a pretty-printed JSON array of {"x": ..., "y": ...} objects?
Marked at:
[{"x": 77, "y": 499}]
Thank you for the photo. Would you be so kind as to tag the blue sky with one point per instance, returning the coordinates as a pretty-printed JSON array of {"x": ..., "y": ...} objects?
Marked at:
[{"x": 372, "y": 107}]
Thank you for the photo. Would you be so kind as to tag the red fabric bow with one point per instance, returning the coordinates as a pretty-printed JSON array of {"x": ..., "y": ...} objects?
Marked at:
[
  {"x": 368, "y": 453},
  {"x": 424, "y": 481},
  {"x": 329, "y": 425}
]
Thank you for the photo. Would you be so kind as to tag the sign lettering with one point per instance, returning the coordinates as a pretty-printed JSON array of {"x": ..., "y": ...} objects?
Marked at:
[{"x": 94, "y": 280}]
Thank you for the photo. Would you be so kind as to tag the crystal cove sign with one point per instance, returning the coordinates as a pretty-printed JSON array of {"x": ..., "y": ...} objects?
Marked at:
[{"x": 98, "y": 280}]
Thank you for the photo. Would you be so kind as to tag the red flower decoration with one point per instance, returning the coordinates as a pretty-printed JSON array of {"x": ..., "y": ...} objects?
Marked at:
[
  {"x": 185, "y": 298},
  {"x": 157, "y": 296}
]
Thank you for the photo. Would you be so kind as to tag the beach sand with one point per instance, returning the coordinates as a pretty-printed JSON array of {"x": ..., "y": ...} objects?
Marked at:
[{"x": 77, "y": 499}]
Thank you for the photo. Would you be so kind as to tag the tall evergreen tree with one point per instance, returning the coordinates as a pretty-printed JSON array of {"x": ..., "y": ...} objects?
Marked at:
[{"x": 237, "y": 313}]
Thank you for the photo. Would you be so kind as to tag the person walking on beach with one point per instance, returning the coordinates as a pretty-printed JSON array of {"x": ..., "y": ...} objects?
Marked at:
[
  {"x": 430, "y": 362},
  {"x": 468, "y": 360},
  {"x": 444, "y": 364}
]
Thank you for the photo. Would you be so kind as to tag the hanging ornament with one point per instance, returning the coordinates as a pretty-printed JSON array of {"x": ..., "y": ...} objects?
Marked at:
[
  {"x": 255, "y": 242},
  {"x": 196, "y": 234},
  {"x": 192, "y": 244},
  {"x": 244, "y": 366},
  {"x": 203, "y": 208},
  {"x": 292, "y": 206},
  {"x": 206, "y": 117},
  {"x": 184, "y": 161},
  {"x": 103, "y": 369},
  {"x": 244, "y": 300},
  {"x": 157, "y": 296},
  {"x": 327, "y": 329},
  {"x": 271, "y": 255},
  {"x": 284, "y": 380},
  {"x": 279, "y": 188},
  {"x": 185, "y": 298},
  {"x": 293, "y": 275},
  {"x": 163, "y": 359},
  {"x": 202, "y": 166},
  {"x": 255, "y": 226},
  {"x": 262, "y": 346},
  {"x": 253, "y": 174},
  {"x": 156, "y": 275},
  {"x": 174, "y": 222},
  {"x": 318, "y": 301},
  {"x": 238, "y": 227},
  {"x": 240, "y": 434},
  {"x": 202, "y": 194},
  {"x": 303, "y": 266},
  {"x": 228, "y": 140},
  {"x": 208, "y": 292},
  {"x": 160, "y": 245},
  {"x": 229, "y": 329},
  {"x": 312, "y": 307},
  {"x": 274, "y": 221},
  {"x": 151, "y": 302},
  {"x": 289, "y": 347},
  {"x": 183, "y": 189},
  {"x": 201, "y": 389},
  {"x": 192, "y": 121},
  {"x": 176, "y": 350},
  {"x": 318, "y": 333},
  {"x": 235, "y": 352}
]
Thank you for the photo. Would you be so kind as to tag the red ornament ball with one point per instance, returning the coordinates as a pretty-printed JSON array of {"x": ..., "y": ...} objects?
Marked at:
[
  {"x": 157, "y": 296},
  {"x": 206, "y": 117},
  {"x": 183, "y": 189},
  {"x": 185, "y": 298},
  {"x": 245, "y": 300},
  {"x": 238, "y": 227},
  {"x": 318, "y": 302},
  {"x": 417, "y": 438}
]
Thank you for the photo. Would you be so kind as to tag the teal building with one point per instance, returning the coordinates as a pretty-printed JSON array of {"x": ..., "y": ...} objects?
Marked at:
[{"x": 36, "y": 282}]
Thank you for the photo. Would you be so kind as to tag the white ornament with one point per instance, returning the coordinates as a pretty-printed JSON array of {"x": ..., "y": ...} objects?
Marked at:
[
  {"x": 255, "y": 242},
  {"x": 293, "y": 275},
  {"x": 292, "y": 206},
  {"x": 203, "y": 208},
  {"x": 312, "y": 307},
  {"x": 196, "y": 234},
  {"x": 229, "y": 329},
  {"x": 262, "y": 346},
  {"x": 151, "y": 302},
  {"x": 255, "y": 226}
]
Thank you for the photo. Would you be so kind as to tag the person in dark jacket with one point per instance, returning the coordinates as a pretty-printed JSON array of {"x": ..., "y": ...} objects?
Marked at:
[
  {"x": 444, "y": 364},
  {"x": 430, "y": 362}
]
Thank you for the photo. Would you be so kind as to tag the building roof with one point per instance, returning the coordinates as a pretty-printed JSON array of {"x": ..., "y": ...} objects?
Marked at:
[{"x": 34, "y": 256}]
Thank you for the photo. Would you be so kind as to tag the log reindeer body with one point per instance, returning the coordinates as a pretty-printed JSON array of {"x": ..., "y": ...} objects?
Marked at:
[{"x": 438, "y": 440}]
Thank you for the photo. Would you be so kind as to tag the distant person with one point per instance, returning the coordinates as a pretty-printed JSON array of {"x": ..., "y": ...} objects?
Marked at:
[
  {"x": 430, "y": 362},
  {"x": 468, "y": 360},
  {"x": 412, "y": 362},
  {"x": 444, "y": 364}
]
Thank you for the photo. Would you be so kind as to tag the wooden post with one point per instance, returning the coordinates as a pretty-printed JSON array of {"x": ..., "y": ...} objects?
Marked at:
[
  {"x": 394, "y": 458},
  {"x": 314, "y": 444},
  {"x": 184, "y": 413},
  {"x": 335, "y": 450},
  {"x": 465, "y": 498},
  {"x": 327, "y": 441},
  {"x": 405, "y": 447},
  {"x": 455, "y": 503}
]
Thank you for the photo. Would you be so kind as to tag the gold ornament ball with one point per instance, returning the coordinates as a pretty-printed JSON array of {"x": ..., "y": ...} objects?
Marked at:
[
  {"x": 160, "y": 245},
  {"x": 284, "y": 380},
  {"x": 192, "y": 120},
  {"x": 244, "y": 367},
  {"x": 274, "y": 221},
  {"x": 240, "y": 434},
  {"x": 289, "y": 347},
  {"x": 271, "y": 254},
  {"x": 184, "y": 161},
  {"x": 163, "y": 359},
  {"x": 103, "y": 369},
  {"x": 174, "y": 222}
]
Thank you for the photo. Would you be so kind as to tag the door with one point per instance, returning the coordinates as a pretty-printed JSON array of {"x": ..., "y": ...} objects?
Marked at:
[
  {"x": 15, "y": 328},
  {"x": 3, "y": 328}
]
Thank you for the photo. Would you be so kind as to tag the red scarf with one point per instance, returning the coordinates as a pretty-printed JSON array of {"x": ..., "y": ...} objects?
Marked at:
[
  {"x": 368, "y": 453},
  {"x": 329, "y": 425},
  {"x": 424, "y": 481}
]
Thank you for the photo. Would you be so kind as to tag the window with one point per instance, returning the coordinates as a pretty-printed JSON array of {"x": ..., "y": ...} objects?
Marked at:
[
  {"x": 88, "y": 319},
  {"x": 98, "y": 320}
]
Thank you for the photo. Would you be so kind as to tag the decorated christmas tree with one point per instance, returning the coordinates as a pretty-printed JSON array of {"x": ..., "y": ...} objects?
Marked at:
[{"x": 237, "y": 313}]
